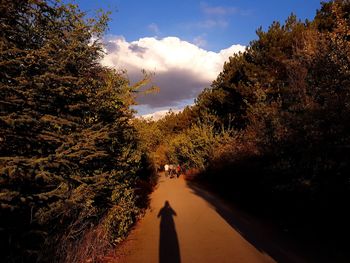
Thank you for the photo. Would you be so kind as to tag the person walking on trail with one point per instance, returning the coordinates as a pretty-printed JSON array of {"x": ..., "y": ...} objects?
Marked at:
[
  {"x": 171, "y": 170},
  {"x": 166, "y": 169},
  {"x": 178, "y": 170}
]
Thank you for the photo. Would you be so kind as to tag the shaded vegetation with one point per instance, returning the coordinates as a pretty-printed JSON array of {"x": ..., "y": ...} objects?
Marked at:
[
  {"x": 272, "y": 131},
  {"x": 70, "y": 157}
]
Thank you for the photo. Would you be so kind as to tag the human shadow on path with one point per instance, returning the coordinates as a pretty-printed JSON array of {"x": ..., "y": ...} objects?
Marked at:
[{"x": 169, "y": 250}]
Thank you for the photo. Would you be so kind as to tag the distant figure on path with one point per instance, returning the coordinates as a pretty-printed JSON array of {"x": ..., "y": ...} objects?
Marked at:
[
  {"x": 169, "y": 250},
  {"x": 166, "y": 169},
  {"x": 178, "y": 170},
  {"x": 171, "y": 170}
]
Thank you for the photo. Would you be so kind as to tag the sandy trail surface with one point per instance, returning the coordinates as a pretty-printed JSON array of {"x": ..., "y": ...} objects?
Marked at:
[{"x": 188, "y": 224}]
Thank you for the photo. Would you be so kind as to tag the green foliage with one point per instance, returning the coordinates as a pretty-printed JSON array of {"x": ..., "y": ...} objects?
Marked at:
[
  {"x": 288, "y": 94},
  {"x": 285, "y": 102},
  {"x": 69, "y": 155},
  {"x": 194, "y": 147}
]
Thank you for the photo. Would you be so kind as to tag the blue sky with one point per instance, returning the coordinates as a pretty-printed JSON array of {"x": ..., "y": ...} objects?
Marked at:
[
  {"x": 185, "y": 42},
  {"x": 190, "y": 19}
]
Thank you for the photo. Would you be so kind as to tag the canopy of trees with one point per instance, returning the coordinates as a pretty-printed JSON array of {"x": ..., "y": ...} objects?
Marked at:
[
  {"x": 69, "y": 156},
  {"x": 273, "y": 130}
]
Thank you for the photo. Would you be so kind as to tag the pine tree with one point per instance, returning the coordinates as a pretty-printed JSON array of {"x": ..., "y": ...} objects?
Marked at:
[{"x": 67, "y": 149}]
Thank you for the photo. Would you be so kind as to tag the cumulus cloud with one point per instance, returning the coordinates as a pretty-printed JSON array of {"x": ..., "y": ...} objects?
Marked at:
[
  {"x": 158, "y": 114},
  {"x": 181, "y": 69}
]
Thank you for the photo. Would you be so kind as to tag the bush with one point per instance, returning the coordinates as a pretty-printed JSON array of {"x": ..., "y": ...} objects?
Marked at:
[{"x": 69, "y": 156}]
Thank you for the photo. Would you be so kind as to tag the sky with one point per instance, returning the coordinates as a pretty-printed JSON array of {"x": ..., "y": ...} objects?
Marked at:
[{"x": 184, "y": 43}]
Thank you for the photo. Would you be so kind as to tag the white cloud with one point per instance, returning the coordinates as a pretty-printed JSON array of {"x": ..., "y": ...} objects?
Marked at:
[
  {"x": 181, "y": 69},
  {"x": 158, "y": 114}
]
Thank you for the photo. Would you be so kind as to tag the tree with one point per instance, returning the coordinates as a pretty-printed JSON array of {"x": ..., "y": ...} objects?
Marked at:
[
  {"x": 287, "y": 97},
  {"x": 68, "y": 153}
]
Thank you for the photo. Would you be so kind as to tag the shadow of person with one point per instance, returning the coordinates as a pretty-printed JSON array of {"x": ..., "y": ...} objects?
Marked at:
[{"x": 169, "y": 251}]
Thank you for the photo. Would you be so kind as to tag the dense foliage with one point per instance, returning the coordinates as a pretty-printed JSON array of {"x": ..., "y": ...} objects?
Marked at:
[
  {"x": 279, "y": 113},
  {"x": 288, "y": 96},
  {"x": 272, "y": 132},
  {"x": 69, "y": 156}
]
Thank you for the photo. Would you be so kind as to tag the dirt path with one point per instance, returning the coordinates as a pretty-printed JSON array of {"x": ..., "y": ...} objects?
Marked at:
[{"x": 188, "y": 224}]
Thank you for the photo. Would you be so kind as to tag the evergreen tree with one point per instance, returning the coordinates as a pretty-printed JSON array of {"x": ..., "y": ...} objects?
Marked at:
[{"x": 68, "y": 152}]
